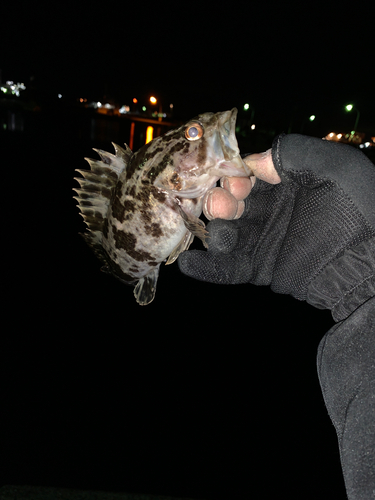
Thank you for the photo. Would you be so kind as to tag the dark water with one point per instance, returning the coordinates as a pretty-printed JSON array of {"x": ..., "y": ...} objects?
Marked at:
[{"x": 209, "y": 392}]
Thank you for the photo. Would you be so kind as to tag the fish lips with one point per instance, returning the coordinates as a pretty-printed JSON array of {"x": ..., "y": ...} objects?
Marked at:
[{"x": 226, "y": 147}]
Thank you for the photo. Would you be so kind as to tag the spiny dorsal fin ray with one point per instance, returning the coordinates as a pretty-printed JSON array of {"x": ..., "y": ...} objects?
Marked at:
[
  {"x": 116, "y": 162},
  {"x": 99, "y": 168},
  {"x": 95, "y": 191},
  {"x": 103, "y": 179},
  {"x": 125, "y": 154}
]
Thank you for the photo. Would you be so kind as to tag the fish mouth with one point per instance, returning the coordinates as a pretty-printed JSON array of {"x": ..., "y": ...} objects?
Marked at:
[{"x": 232, "y": 161}]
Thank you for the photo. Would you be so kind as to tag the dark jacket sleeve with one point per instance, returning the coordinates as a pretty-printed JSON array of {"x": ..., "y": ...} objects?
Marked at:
[
  {"x": 346, "y": 369},
  {"x": 346, "y": 285}
]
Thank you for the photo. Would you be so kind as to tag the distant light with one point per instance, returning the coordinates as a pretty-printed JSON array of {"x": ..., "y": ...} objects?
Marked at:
[
  {"x": 143, "y": 108},
  {"x": 349, "y": 107},
  {"x": 253, "y": 126},
  {"x": 59, "y": 96},
  {"x": 312, "y": 118},
  {"x": 135, "y": 100},
  {"x": 124, "y": 109},
  {"x": 331, "y": 134},
  {"x": 149, "y": 134},
  {"x": 246, "y": 106},
  {"x": 14, "y": 88},
  {"x": 339, "y": 136},
  {"x": 171, "y": 106},
  {"x": 153, "y": 100},
  {"x": 109, "y": 106},
  {"x": 98, "y": 104}
]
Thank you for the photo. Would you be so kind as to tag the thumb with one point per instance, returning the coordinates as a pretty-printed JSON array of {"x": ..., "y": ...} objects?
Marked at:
[{"x": 262, "y": 167}]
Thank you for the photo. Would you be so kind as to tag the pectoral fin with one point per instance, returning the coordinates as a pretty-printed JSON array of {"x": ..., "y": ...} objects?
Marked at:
[
  {"x": 144, "y": 291},
  {"x": 196, "y": 226},
  {"x": 181, "y": 247}
]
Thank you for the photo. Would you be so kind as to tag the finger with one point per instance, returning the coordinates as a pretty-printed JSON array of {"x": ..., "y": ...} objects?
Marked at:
[
  {"x": 220, "y": 204},
  {"x": 262, "y": 166},
  {"x": 239, "y": 187}
]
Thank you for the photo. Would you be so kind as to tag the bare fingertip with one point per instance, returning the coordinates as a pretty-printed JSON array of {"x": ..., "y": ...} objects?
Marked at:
[{"x": 240, "y": 209}]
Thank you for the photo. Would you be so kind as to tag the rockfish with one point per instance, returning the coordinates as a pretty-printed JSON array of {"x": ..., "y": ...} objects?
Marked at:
[{"x": 143, "y": 208}]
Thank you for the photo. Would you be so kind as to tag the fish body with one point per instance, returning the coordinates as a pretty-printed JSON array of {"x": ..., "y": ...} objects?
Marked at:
[{"x": 143, "y": 208}]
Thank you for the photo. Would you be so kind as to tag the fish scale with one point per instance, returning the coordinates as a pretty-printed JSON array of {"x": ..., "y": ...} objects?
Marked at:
[{"x": 143, "y": 208}]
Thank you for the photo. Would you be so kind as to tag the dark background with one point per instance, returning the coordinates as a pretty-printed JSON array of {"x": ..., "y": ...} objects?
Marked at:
[{"x": 209, "y": 392}]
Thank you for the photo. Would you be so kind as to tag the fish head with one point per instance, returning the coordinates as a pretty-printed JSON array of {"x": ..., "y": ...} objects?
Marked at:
[{"x": 199, "y": 153}]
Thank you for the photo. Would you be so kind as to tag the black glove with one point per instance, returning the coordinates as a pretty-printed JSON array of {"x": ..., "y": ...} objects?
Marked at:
[{"x": 311, "y": 236}]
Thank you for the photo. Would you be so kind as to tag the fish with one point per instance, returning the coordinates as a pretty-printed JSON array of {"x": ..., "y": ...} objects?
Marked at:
[{"x": 143, "y": 208}]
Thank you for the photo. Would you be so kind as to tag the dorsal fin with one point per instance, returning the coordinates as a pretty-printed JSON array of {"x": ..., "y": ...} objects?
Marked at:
[{"x": 95, "y": 192}]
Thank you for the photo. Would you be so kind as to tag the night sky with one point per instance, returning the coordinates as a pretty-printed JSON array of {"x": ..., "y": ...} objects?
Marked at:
[
  {"x": 287, "y": 61},
  {"x": 209, "y": 392}
]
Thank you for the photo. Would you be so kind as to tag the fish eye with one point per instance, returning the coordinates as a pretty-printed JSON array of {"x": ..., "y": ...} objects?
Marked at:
[{"x": 194, "y": 132}]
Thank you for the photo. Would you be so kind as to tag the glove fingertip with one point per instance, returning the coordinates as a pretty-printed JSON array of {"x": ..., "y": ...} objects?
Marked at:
[{"x": 223, "y": 236}]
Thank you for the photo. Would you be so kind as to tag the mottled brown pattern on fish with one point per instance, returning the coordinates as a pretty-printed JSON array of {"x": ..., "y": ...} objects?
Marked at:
[
  {"x": 154, "y": 230},
  {"x": 158, "y": 195},
  {"x": 127, "y": 242},
  {"x": 123, "y": 211},
  {"x": 202, "y": 154}
]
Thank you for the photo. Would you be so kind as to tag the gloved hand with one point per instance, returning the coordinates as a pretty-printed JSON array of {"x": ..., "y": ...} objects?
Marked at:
[{"x": 307, "y": 227}]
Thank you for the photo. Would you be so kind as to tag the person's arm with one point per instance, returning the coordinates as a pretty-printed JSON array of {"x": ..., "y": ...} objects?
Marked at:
[{"x": 310, "y": 232}]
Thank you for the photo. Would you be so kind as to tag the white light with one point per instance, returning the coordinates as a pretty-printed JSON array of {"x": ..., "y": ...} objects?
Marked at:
[
  {"x": 253, "y": 126},
  {"x": 98, "y": 104},
  {"x": 59, "y": 96},
  {"x": 124, "y": 109},
  {"x": 339, "y": 136},
  {"x": 246, "y": 106},
  {"x": 13, "y": 87}
]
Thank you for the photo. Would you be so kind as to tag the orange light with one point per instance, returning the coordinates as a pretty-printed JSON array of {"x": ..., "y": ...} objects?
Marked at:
[
  {"x": 135, "y": 100},
  {"x": 153, "y": 99},
  {"x": 149, "y": 134},
  {"x": 131, "y": 139}
]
